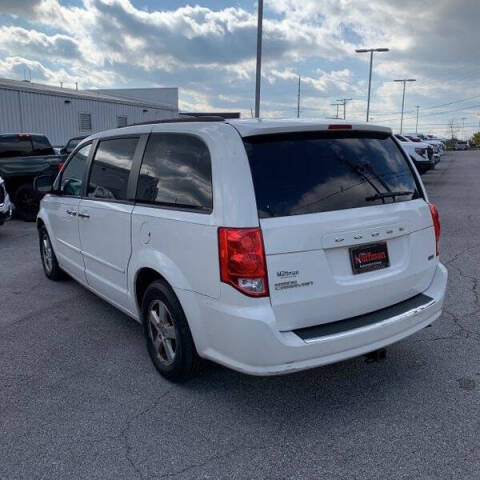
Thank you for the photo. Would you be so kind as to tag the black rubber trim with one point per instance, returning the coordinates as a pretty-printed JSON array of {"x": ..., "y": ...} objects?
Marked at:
[{"x": 360, "y": 321}]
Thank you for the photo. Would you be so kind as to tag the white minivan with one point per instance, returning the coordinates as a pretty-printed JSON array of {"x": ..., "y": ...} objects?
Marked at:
[{"x": 268, "y": 246}]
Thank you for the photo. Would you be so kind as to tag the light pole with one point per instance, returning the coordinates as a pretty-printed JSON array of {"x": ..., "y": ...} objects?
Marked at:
[
  {"x": 259, "y": 58},
  {"x": 404, "y": 80},
  {"x": 416, "y": 128},
  {"x": 298, "y": 97},
  {"x": 463, "y": 127},
  {"x": 370, "y": 50}
]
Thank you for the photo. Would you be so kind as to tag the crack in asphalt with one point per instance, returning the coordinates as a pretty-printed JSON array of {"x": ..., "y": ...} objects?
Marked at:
[
  {"x": 472, "y": 278},
  {"x": 128, "y": 425},
  {"x": 233, "y": 451},
  {"x": 473, "y": 289},
  {"x": 459, "y": 254},
  {"x": 457, "y": 321}
]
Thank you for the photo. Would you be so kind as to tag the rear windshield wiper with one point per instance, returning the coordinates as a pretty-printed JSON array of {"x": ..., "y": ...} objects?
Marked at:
[{"x": 382, "y": 195}]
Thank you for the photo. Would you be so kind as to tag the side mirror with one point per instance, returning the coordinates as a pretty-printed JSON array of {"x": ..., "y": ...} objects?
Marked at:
[
  {"x": 43, "y": 184},
  {"x": 63, "y": 151}
]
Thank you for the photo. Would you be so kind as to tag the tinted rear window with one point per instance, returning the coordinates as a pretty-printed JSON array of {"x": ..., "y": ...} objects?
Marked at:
[
  {"x": 41, "y": 145},
  {"x": 301, "y": 173},
  {"x": 15, "y": 146}
]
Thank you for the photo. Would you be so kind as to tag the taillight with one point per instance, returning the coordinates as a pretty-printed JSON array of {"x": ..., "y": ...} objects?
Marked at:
[
  {"x": 60, "y": 166},
  {"x": 242, "y": 260},
  {"x": 337, "y": 126},
  {"x": 436, "y": 226}
]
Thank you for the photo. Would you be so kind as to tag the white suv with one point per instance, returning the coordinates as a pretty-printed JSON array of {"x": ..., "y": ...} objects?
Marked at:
[{"x": 266, "y": 246}]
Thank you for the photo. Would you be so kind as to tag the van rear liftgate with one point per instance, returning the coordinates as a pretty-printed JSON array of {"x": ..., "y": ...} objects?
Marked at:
[{"x": 345, "y": 225}]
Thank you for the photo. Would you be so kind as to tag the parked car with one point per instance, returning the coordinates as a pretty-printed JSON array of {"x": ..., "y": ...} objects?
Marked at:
[
  {"x": 6, "y": 207},
  {"x": 266, "y": 246},
  {"x": 70, "y": 146},
  {"x": 441, "y": 141},
  {"x": 461, "y": 145},
  {"x": 23, "y": 156},
  {"x": 420, "y": 153},
  {"x": 438, "y": 145}
]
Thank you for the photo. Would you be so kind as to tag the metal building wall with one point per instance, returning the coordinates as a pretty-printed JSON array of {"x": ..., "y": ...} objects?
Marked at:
[
  {"x": 51, "y": 115},
  {"x": 10, "y": 111}
]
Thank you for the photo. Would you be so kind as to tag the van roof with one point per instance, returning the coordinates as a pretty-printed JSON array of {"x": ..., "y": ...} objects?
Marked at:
[{"x": 262, "y": 126}]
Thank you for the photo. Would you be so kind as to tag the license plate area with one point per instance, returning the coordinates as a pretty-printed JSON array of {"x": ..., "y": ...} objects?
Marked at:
[{"x": 367, "y": 258}]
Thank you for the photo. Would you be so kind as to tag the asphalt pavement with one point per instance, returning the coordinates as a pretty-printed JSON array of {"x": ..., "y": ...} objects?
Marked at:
[{"x": 80, "y": 399}]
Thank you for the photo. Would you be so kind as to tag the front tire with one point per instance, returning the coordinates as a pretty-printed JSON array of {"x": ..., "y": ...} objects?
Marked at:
[
  {"x": 169, "y": 340},
  {"x": 49, "y": 260},
  {"x": 26, "y": 202}
]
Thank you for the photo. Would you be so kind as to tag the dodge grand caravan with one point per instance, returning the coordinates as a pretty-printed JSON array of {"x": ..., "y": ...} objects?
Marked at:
[{"x": 266, "y": 246}]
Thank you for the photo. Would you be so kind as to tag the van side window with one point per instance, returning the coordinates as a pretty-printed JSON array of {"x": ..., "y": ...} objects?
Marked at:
[
  {"x": 72, "y": 174},
  {"x": 176, "y": 171},
  {"x": 111, "y": 168}
]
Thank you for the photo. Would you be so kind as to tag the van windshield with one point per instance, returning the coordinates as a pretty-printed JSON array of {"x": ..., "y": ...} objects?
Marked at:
[{"x": 300, "y": 173}]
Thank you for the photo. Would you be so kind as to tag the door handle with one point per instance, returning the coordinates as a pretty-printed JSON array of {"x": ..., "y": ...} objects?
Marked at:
[
  {"x": 72, "y": 213},
  {"x": 84, "y": 215}
]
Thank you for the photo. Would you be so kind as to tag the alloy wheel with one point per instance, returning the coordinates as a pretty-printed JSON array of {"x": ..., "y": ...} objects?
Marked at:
[
  {"x": 161, "y": 329},
  {"x": 47, "y": 253}
]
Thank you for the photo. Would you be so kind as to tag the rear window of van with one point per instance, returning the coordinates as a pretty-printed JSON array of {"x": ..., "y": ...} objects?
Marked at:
[{"x": 301, "y": 173}]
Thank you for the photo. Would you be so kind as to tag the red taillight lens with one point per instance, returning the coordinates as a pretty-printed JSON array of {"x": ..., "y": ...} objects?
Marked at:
[
  {"x": 242, "y": 260},
  {"x": 436, "y": 226},
  {"x": 337, "y": 126},
  {"x": 60, "y": 166}
]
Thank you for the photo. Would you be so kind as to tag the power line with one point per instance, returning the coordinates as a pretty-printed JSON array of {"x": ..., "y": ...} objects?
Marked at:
[
  {"x": 431, "y": 107},
  {"x": 446, "y": 112}
]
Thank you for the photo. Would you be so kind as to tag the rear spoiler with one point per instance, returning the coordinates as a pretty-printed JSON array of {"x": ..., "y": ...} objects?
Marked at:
[{"x": 309, "y": 127}]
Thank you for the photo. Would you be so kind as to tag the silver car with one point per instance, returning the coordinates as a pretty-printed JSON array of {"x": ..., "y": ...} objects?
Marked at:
[{"x": 6, "y": 207}]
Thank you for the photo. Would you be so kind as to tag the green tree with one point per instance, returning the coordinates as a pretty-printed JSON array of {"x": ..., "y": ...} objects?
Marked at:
[{"x": 476, "y": 139}]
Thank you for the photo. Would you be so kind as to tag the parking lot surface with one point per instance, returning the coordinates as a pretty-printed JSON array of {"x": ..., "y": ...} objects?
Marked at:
[{"x": 79, "y": 397}]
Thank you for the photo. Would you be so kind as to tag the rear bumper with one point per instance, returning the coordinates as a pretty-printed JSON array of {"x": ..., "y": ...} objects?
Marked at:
[{"x": 246, "y": 339}]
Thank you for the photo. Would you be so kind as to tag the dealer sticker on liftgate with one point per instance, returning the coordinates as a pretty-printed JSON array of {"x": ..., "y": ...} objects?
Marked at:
[{"x": 367, "y": 258}]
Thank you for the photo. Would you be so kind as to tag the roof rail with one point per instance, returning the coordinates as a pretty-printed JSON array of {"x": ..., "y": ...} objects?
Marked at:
[{"x": 182, "y": 119}]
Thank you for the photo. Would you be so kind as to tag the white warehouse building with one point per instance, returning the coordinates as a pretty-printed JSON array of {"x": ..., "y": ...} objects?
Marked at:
[{"x": 61, "y": 113}]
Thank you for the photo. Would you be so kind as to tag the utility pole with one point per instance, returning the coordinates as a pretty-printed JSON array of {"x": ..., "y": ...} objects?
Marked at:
[
  {"x": 463, "y": 127},
  {"x": 344, "y": 103},
  {"x": 298, "y": 99},
  {"x": 416, "y": 128},
  {"x": 259, "y": 58},
  {"x": 371, "y": 51},
  {"x": 336, "y": 105},
  {"x": 404, "y": 80}
]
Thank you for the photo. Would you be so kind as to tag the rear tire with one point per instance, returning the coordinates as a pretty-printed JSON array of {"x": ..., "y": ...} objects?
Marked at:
[
  {"x": 49, "y": 260},
  {"x": 26, "y": 202},
  {"x": 169, "y": 340}
]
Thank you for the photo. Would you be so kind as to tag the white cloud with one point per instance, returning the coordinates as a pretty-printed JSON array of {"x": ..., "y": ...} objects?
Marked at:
[{"x": 210, "y": 53}]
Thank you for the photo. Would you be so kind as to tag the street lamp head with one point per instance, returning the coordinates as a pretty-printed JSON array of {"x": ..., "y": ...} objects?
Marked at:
[
  {"x": 367, "y": 50},
  {"x": 411, "y": 79}
]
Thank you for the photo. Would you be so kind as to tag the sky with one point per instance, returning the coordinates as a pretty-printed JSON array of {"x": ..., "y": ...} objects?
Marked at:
[{"x": 207, "y": 48}]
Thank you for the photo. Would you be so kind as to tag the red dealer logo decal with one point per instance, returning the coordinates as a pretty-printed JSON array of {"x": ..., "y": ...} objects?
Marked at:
[{"x": 368, "y": 257}]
